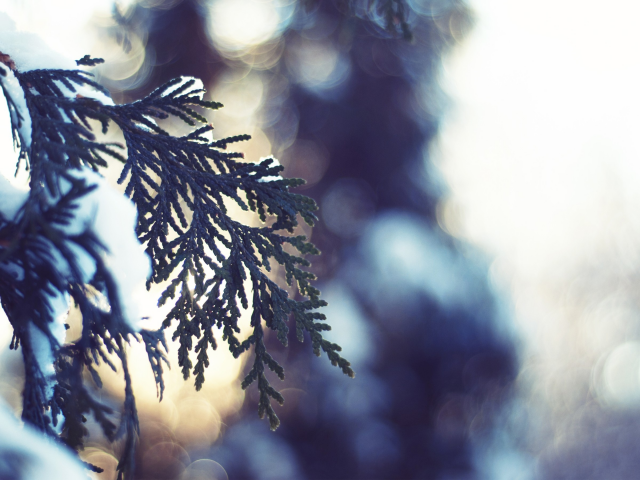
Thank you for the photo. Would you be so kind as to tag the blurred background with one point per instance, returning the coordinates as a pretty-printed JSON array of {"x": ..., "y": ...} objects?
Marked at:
[{"x": 476, "y": 167}]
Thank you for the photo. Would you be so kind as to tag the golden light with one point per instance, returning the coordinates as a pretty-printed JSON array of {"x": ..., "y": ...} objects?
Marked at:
[{"x": 64, "y": 25}]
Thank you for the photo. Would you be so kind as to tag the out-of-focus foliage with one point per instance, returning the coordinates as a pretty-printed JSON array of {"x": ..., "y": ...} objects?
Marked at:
[{"x": 347, "y": 101}]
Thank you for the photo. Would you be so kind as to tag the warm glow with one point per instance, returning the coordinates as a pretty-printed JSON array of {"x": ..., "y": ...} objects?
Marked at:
[{"x": 64, "y": 25}]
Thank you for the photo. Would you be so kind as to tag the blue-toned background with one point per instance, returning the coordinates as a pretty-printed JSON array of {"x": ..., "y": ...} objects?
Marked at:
[{"x": 479, "y": 223}]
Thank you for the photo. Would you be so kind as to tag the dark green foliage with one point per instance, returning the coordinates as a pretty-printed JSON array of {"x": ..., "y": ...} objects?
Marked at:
[
  {"x": 87, "y": 61},
  {"x": 182, "y": 187}
]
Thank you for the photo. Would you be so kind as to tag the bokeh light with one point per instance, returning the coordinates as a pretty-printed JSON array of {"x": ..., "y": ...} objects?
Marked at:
[
  {"x": 205, "y": 469},
  {"x": 316, "y": 65},
  {"x": 347, "y": 207},
  {"x": 239, "y": 24}
]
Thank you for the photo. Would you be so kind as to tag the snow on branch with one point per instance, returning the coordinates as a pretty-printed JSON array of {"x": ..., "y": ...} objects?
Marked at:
[{"x": 72, "y": 237}]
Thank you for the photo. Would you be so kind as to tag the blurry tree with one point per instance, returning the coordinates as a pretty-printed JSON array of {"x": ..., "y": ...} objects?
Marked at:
[{"x": 351, "y": 102}]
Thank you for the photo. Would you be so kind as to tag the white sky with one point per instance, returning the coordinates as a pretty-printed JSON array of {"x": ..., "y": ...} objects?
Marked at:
[
  {"x": 541, "y": 149},
  {"x": 542, "y": 157}
]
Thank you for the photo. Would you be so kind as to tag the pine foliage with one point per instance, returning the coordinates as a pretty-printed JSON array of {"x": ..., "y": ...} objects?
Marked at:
[{"x": 212, "y": 266}]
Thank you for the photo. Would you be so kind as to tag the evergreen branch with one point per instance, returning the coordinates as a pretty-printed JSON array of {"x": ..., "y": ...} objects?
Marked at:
[
  {"x": 152, "y": 341},
  {"x": 87, "y": 61},
  {"x": 172, "y": 179},
  {"x": 216, "y": 266}
]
